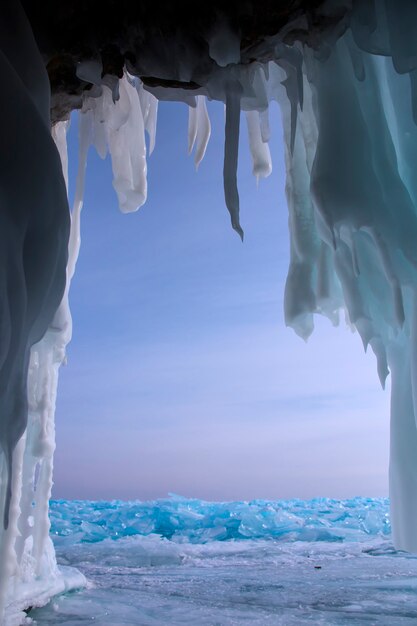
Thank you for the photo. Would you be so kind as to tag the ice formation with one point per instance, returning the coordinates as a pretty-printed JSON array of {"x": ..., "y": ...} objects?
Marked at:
[
  {"x": 34, "y": 253},
  {"x": 195, "y": 521},
  {"x": 287, "y": 563},
  {"x": 349, "y": 110}
]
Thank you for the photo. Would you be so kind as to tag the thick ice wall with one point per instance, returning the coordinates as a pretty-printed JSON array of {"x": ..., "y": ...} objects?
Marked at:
[
  {"x": 34, "y": 228},
  {"x": 34, "y": 225},
  {"x": 359, "y": 199}
]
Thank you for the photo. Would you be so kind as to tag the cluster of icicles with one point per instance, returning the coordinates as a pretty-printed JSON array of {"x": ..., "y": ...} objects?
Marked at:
[{"x": 351, "y": 147}]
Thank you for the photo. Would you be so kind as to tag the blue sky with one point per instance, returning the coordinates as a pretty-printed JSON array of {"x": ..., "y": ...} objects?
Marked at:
[{"x": 181, "y": 375}]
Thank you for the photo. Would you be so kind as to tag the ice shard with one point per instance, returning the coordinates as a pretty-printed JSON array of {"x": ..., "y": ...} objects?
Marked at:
[{"x": 344, "y": 76}]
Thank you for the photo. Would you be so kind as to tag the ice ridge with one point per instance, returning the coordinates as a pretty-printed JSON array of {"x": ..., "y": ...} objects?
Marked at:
[{"x": 196, "y": 521}]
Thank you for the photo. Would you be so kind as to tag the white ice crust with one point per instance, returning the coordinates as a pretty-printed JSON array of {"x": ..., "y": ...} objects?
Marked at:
[{"x": 349, "y": 116}]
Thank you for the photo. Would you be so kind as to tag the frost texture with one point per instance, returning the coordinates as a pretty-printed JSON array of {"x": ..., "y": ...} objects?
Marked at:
[{"x": 349, "y": 115}]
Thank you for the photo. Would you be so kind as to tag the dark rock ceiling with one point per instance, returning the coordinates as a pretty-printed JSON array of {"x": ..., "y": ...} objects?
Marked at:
[{"x": 153, "y": 38}]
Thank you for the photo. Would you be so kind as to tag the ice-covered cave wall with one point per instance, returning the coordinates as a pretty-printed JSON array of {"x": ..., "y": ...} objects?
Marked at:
[
  {"x": 34, "y": 326},
  {"x": 347, "y": 92}
]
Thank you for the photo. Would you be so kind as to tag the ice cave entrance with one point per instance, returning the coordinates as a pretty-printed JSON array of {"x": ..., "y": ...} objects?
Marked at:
[
  {"x": 348, "y": 103},
  {"x": 181, "y": 368}
]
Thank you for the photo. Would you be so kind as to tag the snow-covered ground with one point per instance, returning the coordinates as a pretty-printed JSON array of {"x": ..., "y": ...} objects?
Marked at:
[{"x": 179, "y": 561}]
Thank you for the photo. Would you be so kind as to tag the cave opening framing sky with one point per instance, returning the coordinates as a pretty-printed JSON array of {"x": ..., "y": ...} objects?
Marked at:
[{"x": 181, "y": 375}]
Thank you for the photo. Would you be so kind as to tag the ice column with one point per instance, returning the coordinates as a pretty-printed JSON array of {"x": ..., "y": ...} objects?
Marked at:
[
  {"x": 353, "y": 229},
  {"x": 34, "y": 244}
]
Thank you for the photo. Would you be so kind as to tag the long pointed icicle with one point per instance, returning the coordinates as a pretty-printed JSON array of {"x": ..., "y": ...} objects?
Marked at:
[
  {"x": 203, "y": 130},
  {"x": 75, "y": 236},
  {"x": 231, "y": 152},
  {"x": 192, "y": 127},
  {"x": 199, "y": 129},
  {"x": 290, "y": 84}
]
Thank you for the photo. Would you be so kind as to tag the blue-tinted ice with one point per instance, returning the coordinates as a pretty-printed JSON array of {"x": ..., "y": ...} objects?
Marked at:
[{"x": 180, "y": 561}]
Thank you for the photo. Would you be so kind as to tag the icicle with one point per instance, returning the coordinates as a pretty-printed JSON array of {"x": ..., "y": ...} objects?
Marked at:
[
  {"x": 59, "y": 135},
  {"x": 199, "y": 129},
  {"x": 231, "y": 151},
  {"x": 264, "y": 121},
  {"x": 119, "y": 127},
  {"x": 192, "y": 127},
  {"x": 328, "y": 297},
  {"x": 127, "y": 148},
  {"x": 150, "y": 124},
  {"x": 149, "y": 106},
  {"x": 290, "y": 87},
  {"x": 203, "y": 130},
  {"x": 101, "y": 112},
  {"x": 261, "y": 158},
  {"x": 85, "y": 135},
  {"x": 300, "y": 300},
  {"x": 290, "y": 59},
  {"x": 380, "y": 352}
]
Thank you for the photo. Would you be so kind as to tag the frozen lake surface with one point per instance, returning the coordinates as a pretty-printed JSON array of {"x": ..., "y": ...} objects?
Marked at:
[{"x": 179, "y": 561}]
